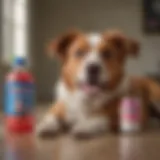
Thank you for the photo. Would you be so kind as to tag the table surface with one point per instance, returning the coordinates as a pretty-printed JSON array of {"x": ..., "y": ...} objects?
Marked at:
[
  {"x": 112, "y": 147},
  {"x": 143, "y": 146}
]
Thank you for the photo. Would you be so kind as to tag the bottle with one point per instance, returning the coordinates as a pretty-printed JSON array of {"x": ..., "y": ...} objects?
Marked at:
[
  {"x": 19, "y": 98},
  {"x": 131, "y": 112}
]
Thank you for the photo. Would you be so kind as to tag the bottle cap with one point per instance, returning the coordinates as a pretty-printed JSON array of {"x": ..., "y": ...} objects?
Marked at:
[{"x": 20, "y": 61}]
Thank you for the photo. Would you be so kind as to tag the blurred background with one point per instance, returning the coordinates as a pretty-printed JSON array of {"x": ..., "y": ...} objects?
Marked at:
[{"x": 45, "y": 19}]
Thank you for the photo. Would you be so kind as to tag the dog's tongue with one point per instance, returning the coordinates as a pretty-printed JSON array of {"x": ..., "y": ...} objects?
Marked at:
[{"x": 91, "y": 89}]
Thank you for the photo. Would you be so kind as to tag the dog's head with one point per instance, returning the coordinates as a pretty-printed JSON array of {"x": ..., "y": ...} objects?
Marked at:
[{"x": 93, "y": 62}]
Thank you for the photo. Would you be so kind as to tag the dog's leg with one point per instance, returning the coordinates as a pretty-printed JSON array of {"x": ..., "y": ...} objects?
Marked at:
[
  {"x": 90, "y": 126},
  {"x": 150, "y": 94},
  {"x": 50, "y": 124},
  {"x": 101, "y": 121},
  {"x": 151, "y": 87}
]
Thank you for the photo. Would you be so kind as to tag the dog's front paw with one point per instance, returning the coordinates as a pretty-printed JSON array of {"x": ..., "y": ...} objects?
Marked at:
[
  {"x": 81, "y": 132},
  {"x": 90, "y": 128},
  {"x": 48, "y": 127}
]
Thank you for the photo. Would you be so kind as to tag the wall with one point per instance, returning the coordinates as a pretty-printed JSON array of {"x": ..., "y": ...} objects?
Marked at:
[{"x": 51, "y": 17}]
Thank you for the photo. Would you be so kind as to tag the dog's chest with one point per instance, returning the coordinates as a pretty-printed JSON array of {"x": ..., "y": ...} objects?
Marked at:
[{"x": 79, "y": 105}]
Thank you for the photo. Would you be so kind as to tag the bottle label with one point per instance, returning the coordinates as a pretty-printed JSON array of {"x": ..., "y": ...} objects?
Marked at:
[{"x": 19, "y": 98}]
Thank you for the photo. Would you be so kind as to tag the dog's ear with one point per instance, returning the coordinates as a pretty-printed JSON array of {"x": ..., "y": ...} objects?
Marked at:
[
  {"x": 122, "y": 43},
  {"x": 60, "y": 45},
  {"x": 116, "y": 39}
]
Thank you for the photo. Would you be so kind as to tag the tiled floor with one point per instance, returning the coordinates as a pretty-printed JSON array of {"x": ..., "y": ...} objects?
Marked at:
[{"x": 144, "y": 146}]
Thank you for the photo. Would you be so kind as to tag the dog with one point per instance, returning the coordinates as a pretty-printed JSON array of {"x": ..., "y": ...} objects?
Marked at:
[{"x": 92, "y": 82}]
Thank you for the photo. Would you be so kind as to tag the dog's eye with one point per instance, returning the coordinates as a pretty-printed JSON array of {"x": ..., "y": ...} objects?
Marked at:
[
  {"x": 80, "y": 53},
  {"x": 106, "y": 55}
]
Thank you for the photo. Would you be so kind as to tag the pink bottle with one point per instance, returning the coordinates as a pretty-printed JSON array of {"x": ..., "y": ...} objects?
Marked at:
[{"x": 131, "y": 114}]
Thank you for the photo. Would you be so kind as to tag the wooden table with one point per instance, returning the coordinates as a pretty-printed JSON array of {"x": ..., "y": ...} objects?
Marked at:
[{"x": 144, "y": 146}]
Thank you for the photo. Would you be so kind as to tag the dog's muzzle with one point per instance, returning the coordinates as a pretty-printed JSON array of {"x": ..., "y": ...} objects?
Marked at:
[{"x": 93, "y": 74}]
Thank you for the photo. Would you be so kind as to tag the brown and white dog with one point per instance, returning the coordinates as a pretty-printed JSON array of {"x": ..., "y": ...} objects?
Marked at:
[{"x": 92, "y": 82}]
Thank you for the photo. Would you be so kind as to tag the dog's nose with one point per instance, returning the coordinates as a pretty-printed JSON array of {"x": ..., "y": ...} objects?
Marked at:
[{"x": 93, "y": 69}]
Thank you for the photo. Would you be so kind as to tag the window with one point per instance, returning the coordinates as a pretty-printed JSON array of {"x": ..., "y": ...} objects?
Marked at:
[{"x": 14, "y": 29}]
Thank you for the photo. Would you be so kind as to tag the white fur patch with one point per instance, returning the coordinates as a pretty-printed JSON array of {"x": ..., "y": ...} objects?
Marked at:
[
  {"x": 94, "y": 39},
  {"x": 93, "y": 57},
  {"x": 91, "y": 126},
  {"x": 49, "y": 124}
]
